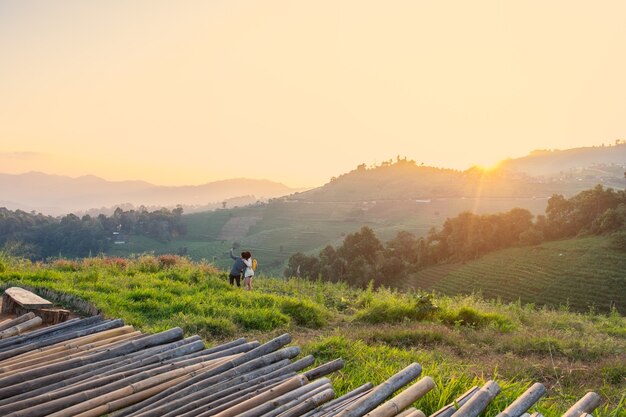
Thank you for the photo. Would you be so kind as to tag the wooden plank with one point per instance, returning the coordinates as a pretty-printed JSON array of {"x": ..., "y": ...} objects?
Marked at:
[{"x": 26, "y": 298}]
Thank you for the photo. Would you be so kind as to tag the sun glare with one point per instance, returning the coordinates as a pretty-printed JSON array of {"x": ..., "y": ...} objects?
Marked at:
[{"x": 488, "y": 167}]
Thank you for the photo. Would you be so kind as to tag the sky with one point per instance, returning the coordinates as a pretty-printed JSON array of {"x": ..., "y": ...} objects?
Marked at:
[{"x": 188, "y": 92}]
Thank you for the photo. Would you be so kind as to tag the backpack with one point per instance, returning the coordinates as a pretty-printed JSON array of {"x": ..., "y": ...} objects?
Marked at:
[{"x": 254, "y": 264}]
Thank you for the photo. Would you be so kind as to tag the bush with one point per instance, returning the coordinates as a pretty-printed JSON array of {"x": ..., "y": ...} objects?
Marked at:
[
  {"x": 618, "y": 241},
  {"x": 470, "y": 317},
  {"x": 147, "y": 263},
  {"x": 304, "y": 313},
  {"x": 65, "y": 265},
  {"x": 205, "y": 326},
  {"x": 169, "y": 261},
  {"x": 260, "y": 318},
  {"x": 403, "y": 338},
  {"x": 394, "y": 310},
  {"x": 531, "y": 237}
]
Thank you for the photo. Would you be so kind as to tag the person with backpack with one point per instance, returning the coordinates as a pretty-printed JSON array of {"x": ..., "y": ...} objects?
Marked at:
[{"x": 238, "y": 268}]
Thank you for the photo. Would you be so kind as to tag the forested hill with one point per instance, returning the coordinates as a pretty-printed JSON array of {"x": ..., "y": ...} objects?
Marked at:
[
  {"x": 604, "y": 161},
  {"x": 405, "y": 180}
]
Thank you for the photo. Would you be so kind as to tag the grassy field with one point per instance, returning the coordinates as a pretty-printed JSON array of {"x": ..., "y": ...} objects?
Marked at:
[
  {"x": 580, "y": 273},
  {"x": 275, "y": 231},
  {"x": 460, "y": 341}
]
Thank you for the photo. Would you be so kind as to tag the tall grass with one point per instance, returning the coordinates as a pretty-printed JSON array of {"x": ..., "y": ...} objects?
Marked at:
[{"x": 460, "y": 341}]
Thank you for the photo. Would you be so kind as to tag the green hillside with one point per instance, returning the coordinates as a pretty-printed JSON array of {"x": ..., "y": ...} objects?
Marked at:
[
  {"x": 460, "y": 341},
  {"x": 580, "y": 273},
  {"x": 277, "y": 230}
]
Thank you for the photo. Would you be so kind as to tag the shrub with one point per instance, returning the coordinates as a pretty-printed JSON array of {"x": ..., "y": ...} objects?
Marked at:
[
  {"x": 259, "y": 318},
  {"x": 384, "y": 312},
  {"x": 531, "y": 237},
  {"x": 205, "y": 326},
  {"x": 147, "y": 263},
  {"x": 618, "y": 241},
  {"x": 304, "y": 313},
  {"x": 65, "y": 265},
  {"x": 404, "y": 338},
  {"x": 168, "y": 261},
  {"x": 468, "y": 316}
]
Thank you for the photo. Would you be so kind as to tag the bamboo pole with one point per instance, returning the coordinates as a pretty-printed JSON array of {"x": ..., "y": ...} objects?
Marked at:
[
  {"x": 195, "y": 358},
  {"x": 20, "y": 328},
  {"x": 244, "y": 406},
  {"x": 404, "y": 399},
  {"x": 337, "y": 401},
  {"x": 65, "y": 346},
  {"x": 46, "y": 331},
  {"x": 83, "y": 350},
  {"x": 286, "y": 397},
  {"x": 417, "y": 413},
  {"x": 234, "y": 399},
  {"x": 16, "y": 384},
  {"x": 223, "y": 389},
  {"x": 12, "y": 322},
  {"x": 298, "y": 400},
  {"x": 111, "y": 381},
  {"x": 87, "y": 372},
  {"x": 310, "y": 403},
  {"x": 154, "y": 355},
  {"x": 129, "y": 400},
  {"x": 219, "y": 375},
  {"x": 536, "y": 415},
  {"x": 85, "y": 400},
  {"x": 248, "y": 358},
  {"x": 203, "y": 401},
  {"x": 324, "y": 369},
  {"x": 450, "y": 409},
  {"x": 230, "y": 347},
  {"x": 44, "y": 341},
  {"x": 161, "y": 379},
  {"x": 479, "y": 401},
  {"x": 407, "y": 412},
  {"x": 524, "y": 401},
  {"x": 586, "y": 404},
  {"x": 50, "y": 332},
  {"x": 382, "y": 392}
]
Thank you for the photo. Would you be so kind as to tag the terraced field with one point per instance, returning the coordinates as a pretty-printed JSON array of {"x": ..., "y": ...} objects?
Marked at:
[
  {"x": 282, "y": 228},
  {"x": 580, "y": 273}
]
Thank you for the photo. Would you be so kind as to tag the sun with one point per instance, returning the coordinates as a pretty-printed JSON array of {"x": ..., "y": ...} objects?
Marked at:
[{"x": 488, "y": 167}]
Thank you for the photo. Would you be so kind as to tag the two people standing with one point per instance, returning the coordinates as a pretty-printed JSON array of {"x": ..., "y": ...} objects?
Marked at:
[{"x": 242, "y": 265}]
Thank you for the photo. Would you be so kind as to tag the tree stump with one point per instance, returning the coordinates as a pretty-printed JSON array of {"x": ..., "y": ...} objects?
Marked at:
[{"x": 20, "y": 301}]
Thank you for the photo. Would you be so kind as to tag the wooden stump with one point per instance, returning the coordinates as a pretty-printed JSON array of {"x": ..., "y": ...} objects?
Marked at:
[{"x": 20, "y": 301}]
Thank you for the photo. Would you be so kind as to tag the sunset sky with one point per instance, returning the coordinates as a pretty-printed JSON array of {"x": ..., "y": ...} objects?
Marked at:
[{"x": 187, "y": 92}]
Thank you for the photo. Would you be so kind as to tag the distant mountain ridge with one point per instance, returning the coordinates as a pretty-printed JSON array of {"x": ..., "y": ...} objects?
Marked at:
[
  {"x": 56, "y": 194},
  {"x": 553, "y": 162},
  {"x": 405, "y": 180}
]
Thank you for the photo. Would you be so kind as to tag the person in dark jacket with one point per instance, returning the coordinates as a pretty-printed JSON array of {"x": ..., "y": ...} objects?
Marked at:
[{"x": 238, "y": 267}]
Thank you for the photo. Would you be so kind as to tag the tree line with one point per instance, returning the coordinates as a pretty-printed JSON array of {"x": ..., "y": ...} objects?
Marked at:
[
  {"x": 36, "y": 236},
  {"x": 362, "y": 257}
]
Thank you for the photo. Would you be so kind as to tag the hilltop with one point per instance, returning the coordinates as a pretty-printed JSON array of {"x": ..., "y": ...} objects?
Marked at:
[
  {"x": 406, "y": 180},
  {"x": 601, "y": 162}
]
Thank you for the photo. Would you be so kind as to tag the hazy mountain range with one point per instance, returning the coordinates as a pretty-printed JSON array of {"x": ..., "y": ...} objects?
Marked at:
[
  {"x": 56, "y": 195},
  {"x": 540, "y": 174},
  {"x": 610, "y": 160}
]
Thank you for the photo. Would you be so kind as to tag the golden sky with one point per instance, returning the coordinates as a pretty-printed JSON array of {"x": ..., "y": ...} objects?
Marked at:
[{"x": 186, "y": 92}]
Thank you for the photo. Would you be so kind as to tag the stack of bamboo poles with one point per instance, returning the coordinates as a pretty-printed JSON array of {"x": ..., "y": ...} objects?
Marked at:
[
  {"x": 92, "y": 367},
  {"x": 12, "y": 327}
]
